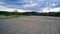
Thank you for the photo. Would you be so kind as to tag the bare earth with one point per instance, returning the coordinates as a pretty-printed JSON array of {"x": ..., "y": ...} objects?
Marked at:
[{"x": 30, "y": 25}]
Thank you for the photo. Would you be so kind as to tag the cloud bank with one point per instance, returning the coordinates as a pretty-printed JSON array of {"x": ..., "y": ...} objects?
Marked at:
[{"x": 29, "y": 4}]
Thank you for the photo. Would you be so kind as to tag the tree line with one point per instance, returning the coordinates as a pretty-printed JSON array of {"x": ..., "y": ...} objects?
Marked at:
[{"x": 30, "y": 13}]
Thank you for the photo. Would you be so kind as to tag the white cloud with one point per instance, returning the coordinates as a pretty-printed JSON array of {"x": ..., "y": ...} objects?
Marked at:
[
  {"x": 25, "y": 4},
  {"x": 2, "y": 3},
  {"x": 46, "y": 9},
  {"x": 21, "y": 10},
  {"x": 31, "y": 2},
  {"x": 4, "y": 8},
  {"x": 53, "y": 4},
  {"x": 29, "y": 5},
  {"x": 55, "y": 9},
  {"x": 12, "y": 5}
]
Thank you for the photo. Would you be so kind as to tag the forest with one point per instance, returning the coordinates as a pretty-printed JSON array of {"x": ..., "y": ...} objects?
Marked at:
[{"x": 5, "y": 13}]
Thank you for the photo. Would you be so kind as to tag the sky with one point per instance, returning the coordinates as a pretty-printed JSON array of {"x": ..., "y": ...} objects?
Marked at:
[{"x": 29, "y": 4}]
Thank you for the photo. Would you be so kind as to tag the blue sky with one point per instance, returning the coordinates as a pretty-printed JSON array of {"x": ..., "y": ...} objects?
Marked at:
[{"x": 29, "y": 4}]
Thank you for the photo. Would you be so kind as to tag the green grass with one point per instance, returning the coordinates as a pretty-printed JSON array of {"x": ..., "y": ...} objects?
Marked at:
[{"x": 11, "y": 16}]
